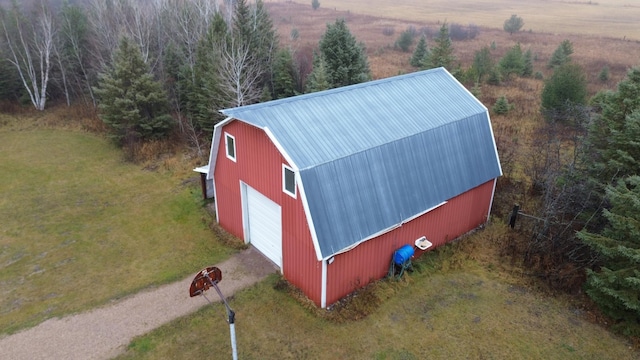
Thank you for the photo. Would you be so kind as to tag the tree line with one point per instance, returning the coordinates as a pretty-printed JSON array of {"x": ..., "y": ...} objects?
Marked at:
[{"x": 153, "y": 67}]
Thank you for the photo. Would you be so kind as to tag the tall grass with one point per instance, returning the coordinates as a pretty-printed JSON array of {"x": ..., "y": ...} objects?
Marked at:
[
  {"x": 458, "y": 304},
  {"x": 80, "y": 227}
]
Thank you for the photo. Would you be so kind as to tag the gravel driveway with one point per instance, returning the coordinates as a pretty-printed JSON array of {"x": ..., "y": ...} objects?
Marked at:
[{"x": 105, "y": 332}]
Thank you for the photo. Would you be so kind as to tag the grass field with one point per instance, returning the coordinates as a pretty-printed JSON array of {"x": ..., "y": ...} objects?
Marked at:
[
  {"x": 459, "y": 305},
  {"x": 80, "y": 227},
  {"x": 610, "y": 18}
]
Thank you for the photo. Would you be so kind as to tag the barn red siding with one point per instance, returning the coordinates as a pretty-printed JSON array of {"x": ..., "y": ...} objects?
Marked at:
[
  {"x": 371, "y": 259},
  {"x": 259, "y": 165}
]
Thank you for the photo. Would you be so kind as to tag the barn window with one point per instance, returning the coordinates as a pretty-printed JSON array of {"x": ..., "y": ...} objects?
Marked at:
[
  {"x": 288, "y": 181},
  {"x": 230, "y": 144}
]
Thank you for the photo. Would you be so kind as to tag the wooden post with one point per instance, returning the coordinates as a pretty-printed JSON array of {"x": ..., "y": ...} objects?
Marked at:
[{"x": 514, "y": 215}]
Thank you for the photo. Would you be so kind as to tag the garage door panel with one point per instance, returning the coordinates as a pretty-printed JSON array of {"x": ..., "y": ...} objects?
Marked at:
[{"x": 264, "y": 225}]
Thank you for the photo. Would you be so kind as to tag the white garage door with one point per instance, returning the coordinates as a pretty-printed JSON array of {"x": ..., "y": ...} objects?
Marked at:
[{"x": 264, "y": 225}]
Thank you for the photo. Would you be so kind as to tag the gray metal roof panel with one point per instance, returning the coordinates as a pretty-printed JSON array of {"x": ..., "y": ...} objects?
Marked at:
[
  {"x": 324, "y": 126},
  {"x": 370, "y": 191},
  {"x": 373, "y": 155}
]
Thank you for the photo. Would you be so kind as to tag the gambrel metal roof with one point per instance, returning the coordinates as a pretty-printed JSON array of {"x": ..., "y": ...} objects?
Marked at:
[{"x": 374, "y": 155}]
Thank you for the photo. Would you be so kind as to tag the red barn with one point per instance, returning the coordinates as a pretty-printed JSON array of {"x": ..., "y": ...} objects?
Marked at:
[{"x": 328, "y": 185}]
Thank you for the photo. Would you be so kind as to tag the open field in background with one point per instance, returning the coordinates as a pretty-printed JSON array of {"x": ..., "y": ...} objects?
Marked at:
[
  {"x": 516, "y": 131},
  {"x": 607, "y": 18},
  {"x": 460, "y": 304},
  {"x": 80, "y": 227}
]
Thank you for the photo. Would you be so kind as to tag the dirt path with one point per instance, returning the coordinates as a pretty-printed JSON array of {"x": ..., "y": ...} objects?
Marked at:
[{"x": 105, "y": 332}]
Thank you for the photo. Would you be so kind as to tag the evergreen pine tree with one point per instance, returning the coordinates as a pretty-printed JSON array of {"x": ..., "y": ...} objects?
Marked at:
[
  {"x": 345, "y": 59},
  {"x": 512, "y": 63},
  {"x": 563, "y": 91},
  {"x": 405, "y": 40},
  {"x": 502, "y": 105},
  {"x": 132, "y": 104},
  {"x": 203, "y": 89},
  {"x": 495, "y": 77},
  {"x": 527, "y": 70},
  {"x": 482, "y": 63},
  {"x": 420, "y": 54},
  {"x": 613, "y": 134},
  {"x": 561, "y": 55},
  {"x": 253, "y": 28},
  {"x": 283, "y": 75},
  {"x": 318, "y": 79},
  {"x": 603, "y": 76},
  {"x": 441, "y": 54},
  {"x": 615, "y": 287}
]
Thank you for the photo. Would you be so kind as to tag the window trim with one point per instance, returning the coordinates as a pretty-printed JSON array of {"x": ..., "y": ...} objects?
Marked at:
[
  {"x": 284, "y": 181},
  {"x": 228, "y": 136}
]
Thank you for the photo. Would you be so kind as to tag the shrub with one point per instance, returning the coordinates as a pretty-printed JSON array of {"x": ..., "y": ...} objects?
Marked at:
[
  {"x": 388, "y": 31},
  {"x": 502, "y": 105},
  {"x": 604, "y": 74}
]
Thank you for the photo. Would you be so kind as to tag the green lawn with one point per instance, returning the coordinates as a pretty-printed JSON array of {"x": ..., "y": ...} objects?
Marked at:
[
  {"x": 455, "y": 307},
  {"x": 79, "y": 226}
]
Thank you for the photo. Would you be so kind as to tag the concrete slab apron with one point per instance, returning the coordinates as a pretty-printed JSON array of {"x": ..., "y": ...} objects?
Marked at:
[{"x": 105, "y": 332}]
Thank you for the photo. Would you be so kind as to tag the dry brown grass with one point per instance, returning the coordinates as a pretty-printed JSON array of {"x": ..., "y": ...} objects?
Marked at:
[{"x": 610, "y": 18}]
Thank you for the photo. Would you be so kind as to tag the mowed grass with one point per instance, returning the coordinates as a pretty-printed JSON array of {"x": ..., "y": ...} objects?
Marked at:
[
  {"x": 610, "y": 18},
  {"x": 79, "y": 226},
  {"x": 458, "y": 305}
]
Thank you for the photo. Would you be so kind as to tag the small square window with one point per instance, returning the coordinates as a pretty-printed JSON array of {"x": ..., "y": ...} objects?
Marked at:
[
  {"x": 288, "y": 181},
  {"x": 230, "y": 145}
]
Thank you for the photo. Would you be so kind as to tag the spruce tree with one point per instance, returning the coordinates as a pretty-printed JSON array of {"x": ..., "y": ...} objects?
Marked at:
[
  {"x": 253, "y": 29},
  {"x": 420, "y": 54},
  {"x": 441, "y": 54},
  {"x": 502, "y": 106},
  {"x": 613, "y": 134},
  {"x": 131, "y": 103},
  {"x": 345, "y": 59},
  {"x": 318, "y": 79},
  {"x": 527, "y": 70},
  {"x": 405, "y": 40},
  {"x": 561, "y": 55},
  {"x": 512, "y": 63},
  {"x": 482, "y": 63},
  {"x": 563, "y": 91},
  {"x": 283, "y": 75},
  {"x": 615, "y": 286}
]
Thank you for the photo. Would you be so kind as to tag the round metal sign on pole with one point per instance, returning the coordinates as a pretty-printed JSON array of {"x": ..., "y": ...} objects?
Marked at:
[{"x": 210, "y": 277}]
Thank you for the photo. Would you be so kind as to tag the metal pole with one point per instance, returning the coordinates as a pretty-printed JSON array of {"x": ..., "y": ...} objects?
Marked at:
[{"x": 231, "y": 316}]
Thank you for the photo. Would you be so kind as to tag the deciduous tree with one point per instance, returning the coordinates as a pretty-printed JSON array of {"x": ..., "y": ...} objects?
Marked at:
[
  {"x": 30, "y": 43},
  {"x": 513, "y": 24}
]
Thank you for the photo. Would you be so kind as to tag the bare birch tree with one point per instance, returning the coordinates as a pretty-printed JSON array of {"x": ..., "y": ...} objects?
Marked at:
[
  {"x": 30, "y": 46},
  {"x": 74, "y": 39},
  {"x": 240, "y": 74}
]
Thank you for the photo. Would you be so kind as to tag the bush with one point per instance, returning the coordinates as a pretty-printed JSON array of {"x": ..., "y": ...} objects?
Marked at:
[
  {"x": 502, "y": 106},
  {"x": 404, "y": 41},
  {"x": 388, "y": 31},
  {"x": 604, "y": 74}
]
